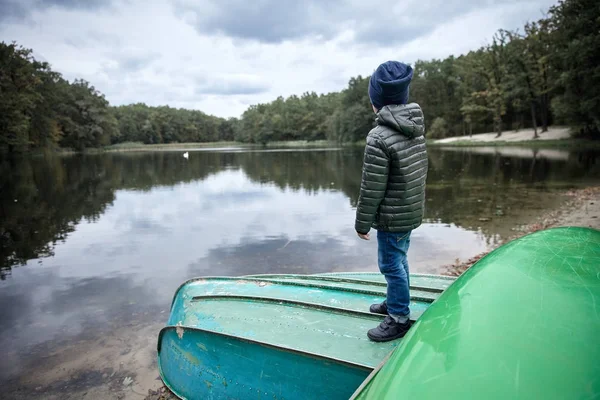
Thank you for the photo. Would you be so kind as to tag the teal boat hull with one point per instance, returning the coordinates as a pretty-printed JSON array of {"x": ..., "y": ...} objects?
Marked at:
[
  {"x": 204, "y": 365},
  {"x": 278, "y": 336}
]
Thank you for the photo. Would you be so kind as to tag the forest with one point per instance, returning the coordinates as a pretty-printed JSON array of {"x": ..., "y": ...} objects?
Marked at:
[{"x": 546, "y": 73}]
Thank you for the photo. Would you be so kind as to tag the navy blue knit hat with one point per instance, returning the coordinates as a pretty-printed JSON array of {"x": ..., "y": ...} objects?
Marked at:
[{"x": 390, "y": 83}]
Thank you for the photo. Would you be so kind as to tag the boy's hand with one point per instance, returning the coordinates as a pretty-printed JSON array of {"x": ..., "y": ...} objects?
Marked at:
[{"x": 364, "y": 236}]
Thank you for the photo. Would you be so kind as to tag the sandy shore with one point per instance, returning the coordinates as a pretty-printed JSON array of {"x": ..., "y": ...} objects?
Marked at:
[
  {"x": 586, "y": 211},
  {"x": 554, "y": 133}
]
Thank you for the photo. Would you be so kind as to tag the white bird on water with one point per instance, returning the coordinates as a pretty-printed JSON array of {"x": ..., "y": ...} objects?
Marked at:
[{"x": 186, "y": 155}]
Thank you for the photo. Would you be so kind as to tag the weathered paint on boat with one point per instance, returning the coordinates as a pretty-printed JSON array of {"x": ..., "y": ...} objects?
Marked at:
[
  {"x": 523, "y": 323},
  {"x": 198, "y": 364},
  {"x": 278, "y": 336}
]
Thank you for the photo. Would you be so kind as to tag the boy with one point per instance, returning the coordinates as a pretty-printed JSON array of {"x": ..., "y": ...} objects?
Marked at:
[{"x": 392, "y": 192}]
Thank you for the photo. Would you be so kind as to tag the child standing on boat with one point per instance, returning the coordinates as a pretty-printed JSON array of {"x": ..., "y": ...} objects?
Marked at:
[{"x": 392, "y": 192}]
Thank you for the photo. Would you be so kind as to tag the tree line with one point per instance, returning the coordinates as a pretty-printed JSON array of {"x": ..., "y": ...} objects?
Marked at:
[
  {"x": 548, "y": 73},
  {"x": 40, "y": 109}
]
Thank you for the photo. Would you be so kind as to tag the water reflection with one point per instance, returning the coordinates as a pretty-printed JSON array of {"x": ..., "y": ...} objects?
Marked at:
[
  {"x": 43, "y": 199},
  {"x": 105, "y": 239}
]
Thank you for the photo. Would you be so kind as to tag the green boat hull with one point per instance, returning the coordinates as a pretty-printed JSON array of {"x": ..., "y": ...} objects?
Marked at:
[
  {"x": 523, "y": 323},
  {"x": 278, "y": 336}
]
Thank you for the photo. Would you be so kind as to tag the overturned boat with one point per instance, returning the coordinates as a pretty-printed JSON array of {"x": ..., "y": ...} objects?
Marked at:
[{"x": 507, "y": 328}]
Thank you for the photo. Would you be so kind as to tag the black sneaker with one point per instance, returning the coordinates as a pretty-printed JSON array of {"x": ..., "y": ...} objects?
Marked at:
[
  {"x": 379, "y": 308},
  {"x": 388, "y": 330}
]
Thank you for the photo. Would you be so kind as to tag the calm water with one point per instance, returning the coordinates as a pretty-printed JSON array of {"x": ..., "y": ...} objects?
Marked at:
[{"x": 90, "y": 243}]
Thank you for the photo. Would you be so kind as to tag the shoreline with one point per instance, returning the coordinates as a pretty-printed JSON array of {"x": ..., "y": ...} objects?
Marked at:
[
  {"x": 582, "y": 208},
  {"x": 462, "y": 142},
  {"x": 140, "y": 147},
  {"x": 554, "y": 133},
  {"x": 566, "y": 144},
  {"x": 556, "y": 138}
]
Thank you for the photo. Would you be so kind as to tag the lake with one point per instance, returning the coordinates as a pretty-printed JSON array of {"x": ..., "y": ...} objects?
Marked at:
[{"x": 94, "y": 246}]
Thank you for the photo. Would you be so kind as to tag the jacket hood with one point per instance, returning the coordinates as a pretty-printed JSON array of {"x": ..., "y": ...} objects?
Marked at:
[{"x": 404, "y": 118}]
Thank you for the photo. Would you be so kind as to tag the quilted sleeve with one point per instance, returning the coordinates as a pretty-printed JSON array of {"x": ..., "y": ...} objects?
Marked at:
[{"x": 376, "y": 166}]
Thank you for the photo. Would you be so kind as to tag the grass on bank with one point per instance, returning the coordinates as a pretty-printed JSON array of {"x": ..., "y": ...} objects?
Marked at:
[
  {"x": 136, "y": 146},
  {"x": 572, "y": 143},
  {"x": 132, "y": 146}
]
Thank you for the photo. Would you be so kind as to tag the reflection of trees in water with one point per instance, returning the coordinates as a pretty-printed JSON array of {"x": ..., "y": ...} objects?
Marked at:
[
  {"x": 43, "y": 198},
  {"x": 41, "y": 201},
  {"x": 310, "y": 171},
  {"x": 54, "y": 193},
  {"x": 464, "y": 186}
]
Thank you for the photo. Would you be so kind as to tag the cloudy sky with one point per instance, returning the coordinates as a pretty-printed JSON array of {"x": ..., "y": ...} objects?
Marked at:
[{"x": 220, "y": 56}]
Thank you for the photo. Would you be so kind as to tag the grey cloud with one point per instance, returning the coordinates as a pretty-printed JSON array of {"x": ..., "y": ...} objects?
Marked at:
[
  {"x": 12, "y": 9},
  {"x": 416, "y": 18},
  {"x": 94, "y": 38},
  {"x": 393, "y": 33},
  {"x": 21, "y": 9},
  {"x": 72, "y": 3},
  {"x": 135, "y": 63},
  {"x": 273, "y": 21},
  {"x": 232, "y": 90},
  {"x": 123, "y": 62},
  {"x": 268, "y": 21},
  {"x": 230, "y": 85}
]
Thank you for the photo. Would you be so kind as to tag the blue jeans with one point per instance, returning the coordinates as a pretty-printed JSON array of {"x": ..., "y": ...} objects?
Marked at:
[{"x": 393, "y": 263}]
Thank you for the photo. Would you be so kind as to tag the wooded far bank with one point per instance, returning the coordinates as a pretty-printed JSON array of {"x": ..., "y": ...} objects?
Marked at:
[{"x": 546, "y": 73}]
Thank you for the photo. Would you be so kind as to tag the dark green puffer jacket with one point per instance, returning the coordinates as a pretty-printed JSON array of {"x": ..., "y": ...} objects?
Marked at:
[{"x": 392, "y": 191}]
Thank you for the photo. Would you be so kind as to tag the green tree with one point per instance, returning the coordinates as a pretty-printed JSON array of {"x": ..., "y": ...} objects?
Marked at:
[
  {"x": 44, "y": 127},
  {"x": 436, "y": 87},
  {"x": 522, "y": 83},
  {"x": 85, "y": 118},
  {"x": 576, "y": 38},
  {"x": 540, "y": 52},
  {"x": 439, "y": 128},
  {"x": 18, "y": 95},
  {"x": 355, "y": 117}
]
